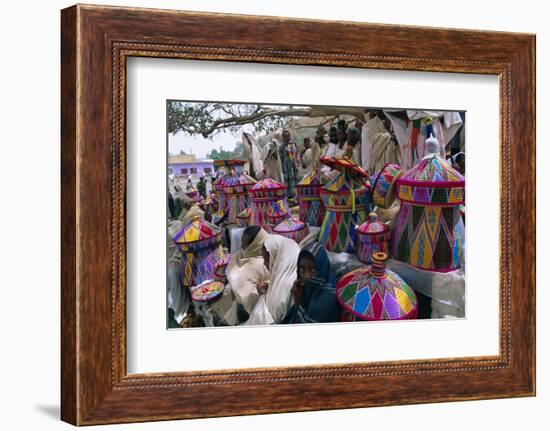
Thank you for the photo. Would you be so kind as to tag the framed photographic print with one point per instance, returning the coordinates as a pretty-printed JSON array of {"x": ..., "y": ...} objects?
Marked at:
[{"x": 326, "y": 214}]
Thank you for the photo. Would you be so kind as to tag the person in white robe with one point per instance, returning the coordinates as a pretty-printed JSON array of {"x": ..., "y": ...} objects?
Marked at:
[
  {"x": 271, "y": 164},
  {"x": 411, "y": 133},
  {"x": 246, "y": 271},
  {"x": 281, "y": 256},
  {"x": 252, "y": 153},
  {"x": 341, "y": 138},
  {"x": 378, "y": 147},
  {"x": 319, "y": 149},
  {"x": 306, "y": 159},
  {"x": 316, "y": 153}
]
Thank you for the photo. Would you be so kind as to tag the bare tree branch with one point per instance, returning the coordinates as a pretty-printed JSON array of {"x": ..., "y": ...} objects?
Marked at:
[{"x": 201, "y": 118}]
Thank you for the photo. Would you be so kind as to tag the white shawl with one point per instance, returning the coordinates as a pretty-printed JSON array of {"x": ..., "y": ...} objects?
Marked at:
[
  {"x": 272, "y": 164},
  {"x": 443, "y": 132},
  {"x": 272, "y": 306},
  {"x": 246, "y": 270},
  {"x": 378, "y": 148},
  {"x": 252, "y": 154}
]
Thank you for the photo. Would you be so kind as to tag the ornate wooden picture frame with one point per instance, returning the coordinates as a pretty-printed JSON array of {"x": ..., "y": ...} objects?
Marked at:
[{"x": 96, "y": 42}]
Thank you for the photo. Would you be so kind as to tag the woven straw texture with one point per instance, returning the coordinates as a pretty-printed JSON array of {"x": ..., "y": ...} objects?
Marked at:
[
  {"x": 370, "y": 298},
  {"x": 263, "y": 196},
  {"x": 428, "y": 231},
  {"x": 243, "y": 218},
  {"x": 384, "y": 185},
  {"x": 217, "y": 186},
  {"x": 200, "y": 244},
  {"x": 430, "y": 238},
  {"x": 432, "y": 182},
  {"x": 235, "y": 188},
  {"x": 292, "y": 228},
  {"x": 347, "y": 201},
  {"x": 308, "y": 191},
  {"x": 373, "y": 236},
  {"x": 206, "y": 291}
]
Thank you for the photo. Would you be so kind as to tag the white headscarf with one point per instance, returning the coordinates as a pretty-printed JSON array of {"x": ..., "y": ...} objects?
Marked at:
[
  {"x": 252, "y": 153},
  {"x": 283, "y": 259}
]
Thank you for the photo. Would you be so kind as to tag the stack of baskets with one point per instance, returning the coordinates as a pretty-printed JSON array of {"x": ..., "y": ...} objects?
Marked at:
[
  {"x": 308, "y": 191},
  {"x": 346, "y": 199},
  {"x": 235, "y": 188},
  {"x": 200, "y": 244},
  {"x": 428, "y": 231},
  {"x": 264, "y": 196}
]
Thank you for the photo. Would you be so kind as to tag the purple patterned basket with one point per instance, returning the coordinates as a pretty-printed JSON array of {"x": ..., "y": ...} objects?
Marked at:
[
  {"x": 373, "y": 236},
  {"x": 235, "y": 188},
  {"x": 263, "y": 196},
  {"x": 428, "y": 231},
  {"x": 376, "y": 293},
  {"x": 243, "y": 218},
  {"x": 346, "y": 199},
  {"x": 200, "y": 244},
  {"x": 276, "y": 213},
  {"x": 308, "y": 191},
  {"x": 384, "y": 185},
  {"x": 292, "y": 228}
]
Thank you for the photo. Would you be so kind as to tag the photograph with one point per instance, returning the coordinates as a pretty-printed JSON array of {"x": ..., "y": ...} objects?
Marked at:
[
  {"x": 295, "y": 214},
  {"x": 271, "y": 199}
]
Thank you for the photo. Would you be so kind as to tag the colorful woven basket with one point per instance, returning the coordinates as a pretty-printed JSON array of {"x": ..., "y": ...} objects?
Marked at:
[
  {"x": 384, "y": 185},
  {"x": 207, "y": 291},
  {"x": 345, "y": 164},
  {"x": 374, "y": 236},
  {"x": 292, "y": 228},
  {"x": 428, "y": 231},
  {"x": 346, "y": 199},
  {"x": 217, "y": 186},
  {"x": 376, "y": 293},
  {"x": 263, "y": 196},
  {"x": 243, "y": 218},
  {"x": 219, "y": 269},
  {"x": 200, "y": 244},
  {"x": 276, "y": 213},
  {"x": 308, "y": 191},
  {"x": 235, "y": 188},
  {"x": 226, "y": 167}
]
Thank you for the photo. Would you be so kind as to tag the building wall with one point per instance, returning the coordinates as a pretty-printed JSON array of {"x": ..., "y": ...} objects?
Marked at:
[{"x": 195, "y": 169}]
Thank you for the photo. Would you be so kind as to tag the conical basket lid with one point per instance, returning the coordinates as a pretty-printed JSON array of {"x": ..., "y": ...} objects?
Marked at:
[{"x": 376, "y": 295}]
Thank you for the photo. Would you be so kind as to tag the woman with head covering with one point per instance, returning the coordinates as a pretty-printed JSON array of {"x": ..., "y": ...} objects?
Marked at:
[
  {"x": 280, "y": 256},
  {"x": 314, "y": 291},
  {"x": 246, "y": 271}
]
